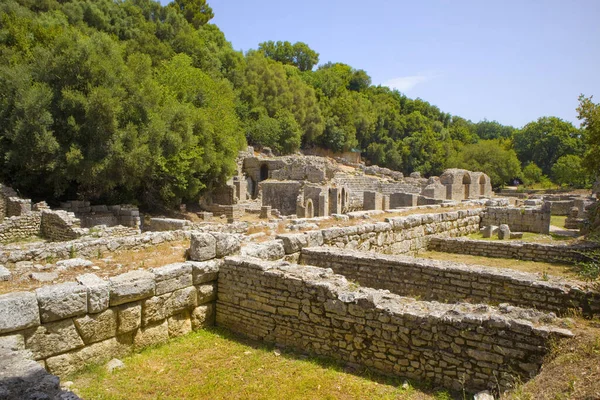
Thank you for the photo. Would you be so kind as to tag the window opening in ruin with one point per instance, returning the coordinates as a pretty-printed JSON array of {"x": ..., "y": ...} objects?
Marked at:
[
  {"x": 264, "y": 172},
  {"x": 467, "y": 185},
  {"x": 310, "y": 213}
]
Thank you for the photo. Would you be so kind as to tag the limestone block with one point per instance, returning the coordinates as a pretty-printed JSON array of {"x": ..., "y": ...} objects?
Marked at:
[
  {"x": 131, "y": 286},
  {"x": 205, "y": 271},
  {"x": 154, "y": 309},
  {"x": 61, "y": 301},
  {"x": 179, "y": 324},
  {"x": 270, "y": 250},
  {"x": 206, "y": 293},
  {"x": 503, "y": 232},
  {"x": 203, "y": 247},
  {"x": 18, "y": 310},
  {"x": 44, "y": 276},
  {"x": 293, "y": 242},
  {"x": 12, "y": 342},
  {"x": 516, "y": 235},
  {"x": 489, "y": 231},
  {"x": 315, "y": 238},
  {"x": 96, "y": 353},
  {"x": 226, "y": 244},
  {"x": 203, "y": 316},
  {"x": 73, "y": 263},
  {"x": 53, "y": 338},
  {"x": 158, "y": 308},
  {"x": 97, "y": 327},
  {"x": 129, "y": 317},
  {"x": 5, "y": 274},
  {"x": 172, "y": 277},
  {"x": 98, "y": 292},
  {"x": 151, "y": 335}
]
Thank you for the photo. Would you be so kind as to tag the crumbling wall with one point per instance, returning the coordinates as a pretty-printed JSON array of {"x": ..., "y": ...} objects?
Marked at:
[
  {"x": 458, "y": 346},
  {"x": 89, "y": 216},
  {"x": 528, "y": 219},
  {"x": 59, "y": 226},
  {"x": 24, "y": 227},
  {"x": 281, "y": 196},
  {"x": 453, "y": 282}
]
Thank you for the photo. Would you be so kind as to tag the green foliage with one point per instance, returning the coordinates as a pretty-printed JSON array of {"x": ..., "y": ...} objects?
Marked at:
[
  {"x": 546, "y": 140},
  {"x": 196, "y": 12},
  {"x": 589, "y": 114},
  {"x": 532, "y": 174},
  {"x": 490, "y": 156},
  {"x": 569, "y": 170},
  {"x": 297, "y": 54}
]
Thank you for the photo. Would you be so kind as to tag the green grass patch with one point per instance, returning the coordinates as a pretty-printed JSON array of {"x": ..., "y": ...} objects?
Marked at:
[
  {"x": 558, "y": 220},
  {"x": 216, "y": 364},
  {"x": 527, "y": 237}
]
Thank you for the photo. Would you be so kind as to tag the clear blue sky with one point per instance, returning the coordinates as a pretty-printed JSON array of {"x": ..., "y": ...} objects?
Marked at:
[{"x": 506, "y": 60}]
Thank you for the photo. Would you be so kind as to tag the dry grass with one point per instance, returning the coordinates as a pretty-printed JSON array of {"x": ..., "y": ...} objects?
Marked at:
[
  {"x": 541, "y": 268},
  {"x": 114, "y": 264},
  {"x": 571, "y": 371},
  {"x": 216, "y": 364}
]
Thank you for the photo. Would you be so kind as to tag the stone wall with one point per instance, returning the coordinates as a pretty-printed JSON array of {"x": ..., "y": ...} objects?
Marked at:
[
  {"x": 398, "y": 235},
  {"x": 69, "y": 325},
  {"x": 462, "y": 346},
  {"x": 452, "y": 282},
  {"x": 169, "y": 224},
  {"x": 518, "y": 250},
  {"x": 125, "y": 214},
  {"x": 59, "y": 226},
  {"x": 527, "y": 219},
  {"x": 24, "y": 227},
  {"x": 281, "y": 196},
  {"x": 6, "y": 192}
]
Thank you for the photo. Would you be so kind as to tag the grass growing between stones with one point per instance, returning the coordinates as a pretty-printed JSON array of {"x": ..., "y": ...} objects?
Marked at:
[
  {"x": 216, "y": 364},
  {"x": 541, "y": 268},
  {"x": 530, "y": 237}
]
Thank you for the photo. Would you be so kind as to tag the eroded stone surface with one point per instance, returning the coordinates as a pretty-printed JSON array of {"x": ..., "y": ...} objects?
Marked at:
[
  {"x": 18, "y": 310},
  {"x": 98, "y": 292},
  {"x": 61, "y": 301},
  {"x": 97, "y": 327},
  {"x": 53, "y": 338},
  {"x": 131, "y": 286},
  {"x": 203, "y": 247}
]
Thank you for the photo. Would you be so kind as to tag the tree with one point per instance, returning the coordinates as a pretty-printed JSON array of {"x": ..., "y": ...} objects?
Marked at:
[
  {"x": 589, "y": 114},
  {"x": 493, "y": 157},
  {"x": 297, "y": 54},
  {"x": 569, "y": 170},
  {"x": 532, "y": 174},
  {"x": 546, "y": 140},
  {"x": 196, "y": 12}
]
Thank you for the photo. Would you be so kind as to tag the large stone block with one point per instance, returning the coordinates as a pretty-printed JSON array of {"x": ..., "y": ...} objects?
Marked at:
[
  {"x": 179, "y": 324},
  {"x": 205, "y": 271},
  {"x": 172, "y": 277},
  {"x": 61, "y": 301},
  {"x": 203, "y": 246},
  {"x": 98, "y": 292},
  {"x": 151, "y": 335},
  {"x": 206, "y": 293},
  {"x": 203, "y": 316},
  {"x": 97, "y": 327},
  {"x": 129, "y": 317},
  {"x": 293, "y": 242},
  {"x": 18, "y": 310},
  {"x": 226, "y": 244},
  {"x": 271, "y": 250},
  {"x": 53, "y": 338},
  {"x": 69, "y": 363},
  {"x": 131, "y": 286},
  {"x": 158, "y": 308}
]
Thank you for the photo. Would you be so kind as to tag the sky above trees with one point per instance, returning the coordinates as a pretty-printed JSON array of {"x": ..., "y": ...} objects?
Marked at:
[{"x": 511, "y": 61}]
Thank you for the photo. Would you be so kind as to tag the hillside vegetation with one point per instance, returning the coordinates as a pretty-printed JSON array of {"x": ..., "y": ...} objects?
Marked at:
[{"x": 131, "y": 101}]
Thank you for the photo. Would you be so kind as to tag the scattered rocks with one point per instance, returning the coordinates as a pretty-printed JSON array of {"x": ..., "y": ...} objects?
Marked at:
[
  {"x": 485, "y": 395},
  {"x": 5, "y": 274},
  {"x": 489, "y": 231},
  {"x": 73, "y": 263},
  {"x": 44, "y": 276},
  {"x": 114, "y": 365},
  {"x": 504, "y": 232}
]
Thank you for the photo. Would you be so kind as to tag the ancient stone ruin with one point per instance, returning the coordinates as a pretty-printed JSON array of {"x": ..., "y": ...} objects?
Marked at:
[{"x": 352, "y": 289}]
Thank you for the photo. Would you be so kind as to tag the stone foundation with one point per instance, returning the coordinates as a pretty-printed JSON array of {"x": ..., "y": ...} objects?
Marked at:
[
  {"x": 463, "y": 346},
  {"x": 528, "y": 219}
]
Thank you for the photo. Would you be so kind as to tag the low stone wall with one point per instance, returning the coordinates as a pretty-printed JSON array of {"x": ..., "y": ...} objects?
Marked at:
[
  {"x": 518, "y": 250},
  {"x": 169, "y": 224},
  {"x": 458, "y": 346},
  {"x": 69, "y": 325},
  {"x": 398, "y": 235},
  {"x": 59, "y": 226},
  {"x": 561, "y": 207},
  {"x": 120, "y": 214},
  {"x": 528, "y": 219},
  {"x": 20, "y": 228},
  {"x": 451, "y": 282}
]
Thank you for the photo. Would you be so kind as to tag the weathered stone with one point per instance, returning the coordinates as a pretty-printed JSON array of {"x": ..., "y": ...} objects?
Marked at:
[
  {"x": 293, "y": 242},
  {"x": 516, "y": 235},
  {"x": 271, "y": 250},
  {"x": 96, "y": 353},
  {"x": 226, "y": 244},
  {"x": 97, "y": 327},
  {"x": 44, "y": 276},
  {"x": 73, "y": 263},
  {"x": 53, "y": 338},
  {"x": 206, "y": 293},
  {"x": 12, "y": 342},
  {"x": 114, "y": 365},
  {"x": 205, "y": 271},
  {"x": 503, "y": 232},
  {"x": 172, "y": 277},
  {"x": 5, "y": 274},
  {"x": 131, "y": 286},
  {"x": 129, "y": 317},
  {"x": 61, "y": 301},
  {"x": 203, "y": 246},
  {"x": 151, "y": 335},
  {"x": 489, "y": 231},
  {"x": 18, "y": 310},
  {"x": 98, "y": 292},
  {"x": 179, "y": 324},
  {"x": 203, "y": 316}
]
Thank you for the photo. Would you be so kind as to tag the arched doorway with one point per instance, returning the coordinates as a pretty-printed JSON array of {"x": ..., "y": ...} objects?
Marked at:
[
  {"x": 264, "y": 172},
  {"x": 482, "y": 185},
  {"x": 467, "y": 185},
  {"x": 310, "y": 210}
]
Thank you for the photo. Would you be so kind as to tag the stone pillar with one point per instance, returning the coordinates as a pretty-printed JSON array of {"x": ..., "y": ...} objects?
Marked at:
[
  {"x": 335, "y": 201},
  {"x": 323, "y": 205},
  {"x": 385, "y": 202},
  {"x": 372, "y": 201},
  {"x": 265, "y": 212}
]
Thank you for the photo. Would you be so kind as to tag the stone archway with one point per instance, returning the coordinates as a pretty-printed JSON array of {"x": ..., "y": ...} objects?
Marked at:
[
  {"x": 482, "y": 185},
  {"x": 466, "y": 181},
  {"x": 309, "y": 209},
  {"x": 264, "y": 172}
]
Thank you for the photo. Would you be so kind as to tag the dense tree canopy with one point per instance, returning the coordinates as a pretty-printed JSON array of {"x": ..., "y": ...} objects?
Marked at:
[{"x": 133, "y": 101}]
